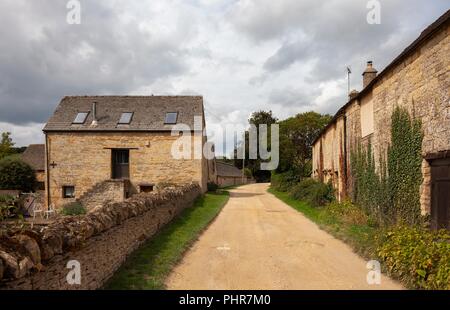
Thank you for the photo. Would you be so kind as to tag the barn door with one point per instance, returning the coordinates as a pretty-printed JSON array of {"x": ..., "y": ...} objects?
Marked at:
[
  {"x": 120, "y": 164},
  {"x": 440, "y": 193}
]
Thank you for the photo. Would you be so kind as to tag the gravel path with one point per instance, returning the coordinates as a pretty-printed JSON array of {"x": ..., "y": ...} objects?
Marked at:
[{"x": 259, "y": 242}]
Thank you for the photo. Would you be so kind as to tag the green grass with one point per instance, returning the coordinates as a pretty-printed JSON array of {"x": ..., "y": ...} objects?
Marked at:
[
  {"x": 359, "y": 236},
  {"x": 149, "y": 266}
]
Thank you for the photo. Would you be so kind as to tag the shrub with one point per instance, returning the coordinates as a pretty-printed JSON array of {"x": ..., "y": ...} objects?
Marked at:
[
  {"x": 314, "y": 192},
  {"x": 16, "y": 174},
  {"x": 8, "y": 207},
  {"x": 348, "y": 213},
  {"x": 283, "y": 182},
  {"x": 73, "y": 208},
  {"x": 212, "y": 187},
  {"x": 421, "y": 258}
]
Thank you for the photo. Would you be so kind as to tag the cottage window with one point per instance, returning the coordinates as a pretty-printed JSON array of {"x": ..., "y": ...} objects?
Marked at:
[
  {"x": 146, "y": 188},
  {"x": 171, "y": 118},
  {"x": 68, "y": 191},
  {"x": 80, "y": 118},
  {"x": 125, "y": 118},
  {"x": 367, "y": 120}
]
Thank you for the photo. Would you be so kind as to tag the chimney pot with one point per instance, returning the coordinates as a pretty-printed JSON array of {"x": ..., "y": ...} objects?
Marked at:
[
  {"x": 369, "y": 74},
  {"x": 353, "y": 94}
]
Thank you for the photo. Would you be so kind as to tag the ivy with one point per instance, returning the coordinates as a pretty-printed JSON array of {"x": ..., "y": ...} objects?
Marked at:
[{"x": 391, "y": 194}]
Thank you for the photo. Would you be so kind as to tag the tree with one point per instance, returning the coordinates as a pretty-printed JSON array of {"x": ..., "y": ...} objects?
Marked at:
[
  {"x": 253, "y": 165},
  {"x": 17, "y": 175},
  {"x": 6, "y": 145},
  {"x": 296, "y": 137}
]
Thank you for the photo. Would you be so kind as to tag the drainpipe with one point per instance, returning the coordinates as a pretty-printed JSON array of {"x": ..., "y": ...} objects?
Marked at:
[
  {"x": 345, "y": 157},
  {"x": 47, "y": 147}
]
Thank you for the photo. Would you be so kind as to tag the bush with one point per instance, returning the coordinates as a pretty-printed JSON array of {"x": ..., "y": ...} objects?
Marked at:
[
  {"x": 212, "y": 187},
  {"x": 283, "y": 182},
  {"x": 348, "y": 213},
  {"x": 8, "y": 207},
  {"x": 314, "y": 192},
  {"x": 73, "y": 208},
  {"x": 16, "y": 174},
  {"x": 421, "y": 258}
]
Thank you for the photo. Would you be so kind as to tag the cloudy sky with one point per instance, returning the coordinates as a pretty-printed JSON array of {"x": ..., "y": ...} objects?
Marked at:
[{"x": 289, "y": 56}]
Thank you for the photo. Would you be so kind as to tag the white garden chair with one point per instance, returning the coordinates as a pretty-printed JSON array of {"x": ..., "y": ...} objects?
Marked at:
[
  {"x": 37, "y": 208},
  {"x": 51, "y": 210}
]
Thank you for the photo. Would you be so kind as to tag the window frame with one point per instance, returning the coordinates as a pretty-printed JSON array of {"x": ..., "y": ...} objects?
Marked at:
[
  {"x": 84, "y": 120},
  {"x": 64, "y": 188},
  {"x": 171, "y": 123},
  {"x": 127, "y": 123}
]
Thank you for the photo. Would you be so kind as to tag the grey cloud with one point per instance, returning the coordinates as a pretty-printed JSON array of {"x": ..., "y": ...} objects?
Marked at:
[
  {"x": 337, "y": 32},
  {"x": 43, "y": 58},
  {"x": 300, "y": 97}
]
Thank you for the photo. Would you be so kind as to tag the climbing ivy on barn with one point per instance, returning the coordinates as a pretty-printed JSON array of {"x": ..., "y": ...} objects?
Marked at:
[{"x": 391, "y": 194}]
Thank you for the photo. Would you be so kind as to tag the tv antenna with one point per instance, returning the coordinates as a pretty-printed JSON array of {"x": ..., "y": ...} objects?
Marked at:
[{"x": 349, "y": 71}]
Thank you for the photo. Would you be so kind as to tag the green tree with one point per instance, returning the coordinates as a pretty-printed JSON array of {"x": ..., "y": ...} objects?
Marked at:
[
  {"x": 296, "y": 137},
  {"x": 6, "y": 145},
  {"x": 257, "y": 118},
  {"x": 16, "y": 174}
]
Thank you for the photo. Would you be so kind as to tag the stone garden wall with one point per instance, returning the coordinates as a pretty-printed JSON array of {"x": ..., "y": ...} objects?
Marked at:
[{"x": 100, "y": 241}]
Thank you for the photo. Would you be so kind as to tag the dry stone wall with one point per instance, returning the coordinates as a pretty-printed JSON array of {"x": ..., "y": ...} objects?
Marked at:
[{"x": 100, "y": 241}]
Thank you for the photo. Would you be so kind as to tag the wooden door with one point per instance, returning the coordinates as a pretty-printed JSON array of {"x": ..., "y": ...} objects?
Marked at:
[
  {"x": 440, "y": 193},
  {"x": 120, "y": 164}
]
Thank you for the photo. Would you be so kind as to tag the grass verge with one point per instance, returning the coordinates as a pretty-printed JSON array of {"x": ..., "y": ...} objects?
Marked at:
[
  {"x": 359, "y": 236},
  {"x": 149, "y": 266}
]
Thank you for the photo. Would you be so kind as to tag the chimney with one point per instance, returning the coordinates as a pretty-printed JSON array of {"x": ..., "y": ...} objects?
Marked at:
[
  {"x": 94, "y": 114},
  {"x": 353, "y": 94},
  {"x": 369, "y": 74}
]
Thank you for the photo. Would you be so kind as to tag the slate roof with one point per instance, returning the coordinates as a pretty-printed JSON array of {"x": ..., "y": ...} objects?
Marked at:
[
  {"x": 34, "y": 155},
  {"x": 149, "y": 112},
  {"x": 227, "y": 170},
  {"x": 425, "y": 35}
]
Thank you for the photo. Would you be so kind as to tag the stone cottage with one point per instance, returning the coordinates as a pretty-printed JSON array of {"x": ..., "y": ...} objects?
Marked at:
[
  {"x": 417, "y": 80},
  {"x": 228, "y": 175},
  {"x": 101, "y": 148},
  {"x": 34, "y": 155}
]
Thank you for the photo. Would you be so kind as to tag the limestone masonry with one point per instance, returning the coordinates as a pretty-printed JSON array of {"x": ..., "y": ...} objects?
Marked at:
[
  {"x": 418, "y": 80},
  {"x": 100, "y": 241}
]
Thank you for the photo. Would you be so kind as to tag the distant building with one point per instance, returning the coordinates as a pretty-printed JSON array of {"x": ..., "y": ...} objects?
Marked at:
[
  {"x": 34, "y": 155},
  {"x": 417, "y": 80},
  {"x": 105, "y": 148},
  {"x": 228, "y": 175}
]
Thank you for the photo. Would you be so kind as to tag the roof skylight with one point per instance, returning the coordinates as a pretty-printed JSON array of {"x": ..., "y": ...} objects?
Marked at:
[
  {"x": 171, "y": 118},
  {"x": 80, "y": 118},
  {"x": 125, "y": 118}
]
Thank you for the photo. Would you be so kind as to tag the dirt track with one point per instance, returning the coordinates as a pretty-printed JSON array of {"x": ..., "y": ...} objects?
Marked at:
[{"x": 259, "y": 242}]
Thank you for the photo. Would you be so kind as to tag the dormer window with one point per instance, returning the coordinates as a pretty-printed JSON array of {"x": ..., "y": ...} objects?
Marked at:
[
  {"x": 171, "y": 118},
  {"x": 125, "y": 118},
  {"x": 80, "y": 118}
]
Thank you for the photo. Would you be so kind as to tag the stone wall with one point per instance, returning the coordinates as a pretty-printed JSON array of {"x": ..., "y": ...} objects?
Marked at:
[
  {"x": 100, "y": 241},
  {"x": 420, "y": 83},
  {"x": 104, "y": 192},
  {"x": 84, "y": 160}
]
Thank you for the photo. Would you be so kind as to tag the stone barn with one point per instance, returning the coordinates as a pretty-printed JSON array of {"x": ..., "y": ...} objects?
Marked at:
[
  {"x": 106, "y": 148},
  {"x": 228, "y": 175},
  {"x": 34, "y": 155},
  {"x": 418, "y": 80}
]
